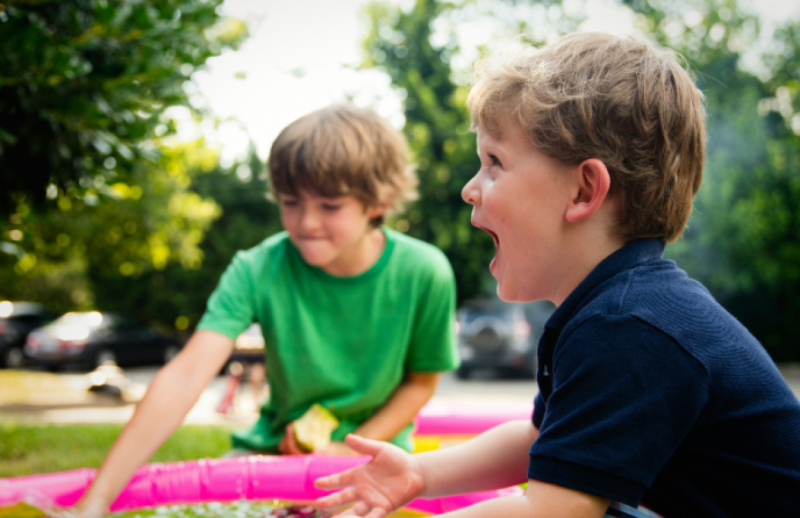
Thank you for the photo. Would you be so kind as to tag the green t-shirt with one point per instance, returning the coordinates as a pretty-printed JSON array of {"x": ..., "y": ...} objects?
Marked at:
[{"x": 343, "y": 342}]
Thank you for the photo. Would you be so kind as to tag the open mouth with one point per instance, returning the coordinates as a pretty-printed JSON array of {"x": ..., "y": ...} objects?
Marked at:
[{"x": 494, "y": 236}]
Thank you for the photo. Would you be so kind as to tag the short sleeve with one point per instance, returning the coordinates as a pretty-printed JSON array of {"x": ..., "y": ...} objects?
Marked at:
[
  {"x": 230, "y": 309},
  {"x": 624, "y": 397},
  {"x": 433, "y": 340}
]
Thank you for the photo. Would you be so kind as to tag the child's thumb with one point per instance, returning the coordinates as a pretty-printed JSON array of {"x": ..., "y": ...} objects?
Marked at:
[{"x": 362, "y": 445}]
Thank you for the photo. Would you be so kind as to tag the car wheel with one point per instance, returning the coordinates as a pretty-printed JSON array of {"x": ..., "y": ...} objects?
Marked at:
[
  {"x": 463, "y": 373},
  {"x": 105, "y": 356},
  {"x": 15, "y": 359},
  {"x": 170, "y": 352}
]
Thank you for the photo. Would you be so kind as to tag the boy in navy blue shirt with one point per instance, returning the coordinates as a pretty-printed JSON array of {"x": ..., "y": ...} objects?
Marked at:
[{"x": 653, "y": 399}]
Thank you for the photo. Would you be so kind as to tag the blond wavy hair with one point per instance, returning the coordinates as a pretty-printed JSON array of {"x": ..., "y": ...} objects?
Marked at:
[
  {"x": 617, "y": 99},
  {"x": 344, "y": 150}
]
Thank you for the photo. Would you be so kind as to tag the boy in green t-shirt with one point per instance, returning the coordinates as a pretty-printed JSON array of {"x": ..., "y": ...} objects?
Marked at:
[{"x": 356, "y": 317}]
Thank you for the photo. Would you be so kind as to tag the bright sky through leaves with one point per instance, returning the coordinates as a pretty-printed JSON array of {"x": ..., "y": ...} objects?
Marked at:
[{"x": 298, "y": 57}]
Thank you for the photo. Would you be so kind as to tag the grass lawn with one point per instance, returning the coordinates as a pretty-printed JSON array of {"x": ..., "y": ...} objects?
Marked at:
[{"x": 28, "y": 449}]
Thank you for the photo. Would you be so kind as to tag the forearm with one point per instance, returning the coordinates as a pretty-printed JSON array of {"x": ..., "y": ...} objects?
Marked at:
[
  {"x": 170, "y": 396},
  {"x": 541, "y": 500},
  {"x": 507, "y": 507},
  {"x": 495, "y": 459},
  {"x": 401, "y": 407},
  {"x": 155, "y": 418}
]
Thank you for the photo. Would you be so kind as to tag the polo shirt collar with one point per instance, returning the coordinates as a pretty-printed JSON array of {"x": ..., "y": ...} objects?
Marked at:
[{"x": 627, "y": 257}]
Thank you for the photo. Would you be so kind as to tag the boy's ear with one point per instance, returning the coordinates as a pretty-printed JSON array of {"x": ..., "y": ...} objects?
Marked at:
[
  {"x": 591, "y": 182},
  {"x": 379, "y": 210}
]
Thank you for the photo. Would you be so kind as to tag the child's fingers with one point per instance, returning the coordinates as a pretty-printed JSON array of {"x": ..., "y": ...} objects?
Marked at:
[
  {"x": 345, "y": 478},
  {"x": 343, "y": 497},
  {"x": 365, "y": 446},
  {"x": 358, "y": 509},
  {"x": 282, "y": 448},
  {"x": 289, "y": 443},
  {"x": 376, "y": 512}
]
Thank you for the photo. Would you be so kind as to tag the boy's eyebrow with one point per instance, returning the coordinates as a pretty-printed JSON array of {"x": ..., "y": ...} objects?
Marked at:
[{"x": 490, "y": 148}]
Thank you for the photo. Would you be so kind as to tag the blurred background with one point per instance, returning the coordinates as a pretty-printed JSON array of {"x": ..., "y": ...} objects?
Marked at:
[{"x": 133, "y": 136}]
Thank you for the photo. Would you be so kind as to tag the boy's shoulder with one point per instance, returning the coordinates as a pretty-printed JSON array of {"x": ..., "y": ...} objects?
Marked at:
[
  {"x": 649, "y": 288},
  {"x": 272, "y": 251},
  {"x": 660, "y": 294},
  {"x": 415, "y": 254},
  {"x": 274, "y": 244}
]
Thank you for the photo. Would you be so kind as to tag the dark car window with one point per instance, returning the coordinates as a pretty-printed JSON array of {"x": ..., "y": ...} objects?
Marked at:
[
  {"x": 128, "y": 325},
  {"x": 26, "y": 319},
  {"x": 132, "y": 327}
]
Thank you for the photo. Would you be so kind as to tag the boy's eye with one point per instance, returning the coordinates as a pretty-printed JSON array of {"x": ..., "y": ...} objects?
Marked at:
[
  {"x": 331, "y": 207},
  {"x": 288, "y": 202},
  {"x": 495, "y": 160}
]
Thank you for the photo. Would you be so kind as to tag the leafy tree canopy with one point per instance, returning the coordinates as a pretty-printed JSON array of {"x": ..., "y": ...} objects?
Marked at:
[
  {"x": 86, "y": 86},
  {"x": 92, "y": 181}
]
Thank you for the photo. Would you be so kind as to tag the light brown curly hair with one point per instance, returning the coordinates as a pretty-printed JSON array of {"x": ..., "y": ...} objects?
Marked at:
[
  {"x": 343, "y": 150},
  {"x": 616, "y": 99}
]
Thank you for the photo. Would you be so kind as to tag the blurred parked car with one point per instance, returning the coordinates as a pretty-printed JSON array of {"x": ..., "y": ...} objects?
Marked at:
[
  {"x": 246, "y": 363},
  {"x": 500, "y": 336},
  {"x": 94, "y": 338},
  {"x": 17, "y": 319}
]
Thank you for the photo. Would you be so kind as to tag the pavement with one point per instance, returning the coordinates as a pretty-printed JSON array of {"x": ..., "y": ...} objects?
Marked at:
[{"x": 32, "y": 396}]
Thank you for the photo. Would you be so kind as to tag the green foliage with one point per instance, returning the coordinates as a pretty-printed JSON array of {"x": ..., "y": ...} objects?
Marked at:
[
  {"x": 125, "y": 231},
  {"x": 92, "y": 187},
  {"x": 177, "y": 295},
  {"x": 743, "y": 240},
  {"x": 438, "y": 131},
  {"x": 29, "y": 449},
  {"x": 87, "y": 83}
]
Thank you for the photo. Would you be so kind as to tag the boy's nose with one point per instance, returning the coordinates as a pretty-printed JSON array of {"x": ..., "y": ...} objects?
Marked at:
[
  {"x": 309, "y": 220},
  {"x": 471, "y": 193}
]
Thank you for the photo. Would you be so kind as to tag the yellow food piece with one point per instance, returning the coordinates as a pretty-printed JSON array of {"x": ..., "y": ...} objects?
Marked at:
[{"x": 313, "y": 430}]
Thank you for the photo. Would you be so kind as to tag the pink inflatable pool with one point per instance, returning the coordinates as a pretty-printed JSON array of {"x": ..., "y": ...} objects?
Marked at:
[
  {"x": 208, "y": 480},
  {"x": 437, "y": 418}
]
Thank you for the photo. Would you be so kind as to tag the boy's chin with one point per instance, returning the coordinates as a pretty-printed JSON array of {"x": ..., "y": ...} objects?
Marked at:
[
  {"x": 506, "y": 295},
  {"x": 512, "y": 294},
  {"x": 316, "y": 260}
]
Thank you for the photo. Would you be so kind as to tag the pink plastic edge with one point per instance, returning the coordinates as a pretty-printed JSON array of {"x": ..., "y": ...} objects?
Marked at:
[
  {"x": 250, "y": 478},
  {"x": 437, "y": 418}
]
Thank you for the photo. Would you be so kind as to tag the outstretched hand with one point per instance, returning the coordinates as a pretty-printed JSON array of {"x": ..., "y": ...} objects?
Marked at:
[{"x": 390, "y": 480}]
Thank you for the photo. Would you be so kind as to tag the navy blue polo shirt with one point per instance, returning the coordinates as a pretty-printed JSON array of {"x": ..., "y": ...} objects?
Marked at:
[{"x": 651, "y": 393}]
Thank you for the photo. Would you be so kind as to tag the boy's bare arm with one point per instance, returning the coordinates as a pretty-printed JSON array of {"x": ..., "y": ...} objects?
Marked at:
[
  {"x": 495, "y": 459},
  {"x": 172, "y": 393},
  {"x": 401, "y": 407},
  {"x": 540, "y": 500}
]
